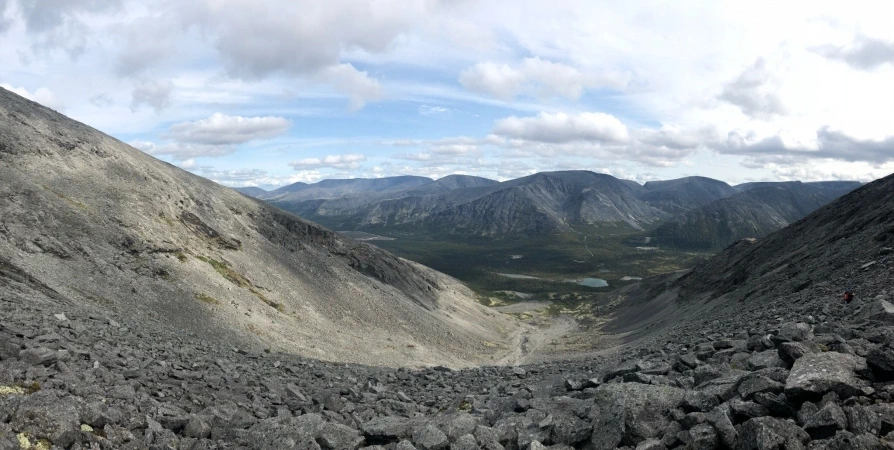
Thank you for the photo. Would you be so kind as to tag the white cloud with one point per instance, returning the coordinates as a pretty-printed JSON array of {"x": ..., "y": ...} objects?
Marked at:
[
  {"x": 561, "y": 127},
  {"x": 864, "y": 53},
  {"x": 755, "y": 92},
  {"x": 826, "y": 144},
  {"x": 352, "y": 82},
  {"x": 537, "y": 77},
  {"x": 346, "y": 161},
  {"x": 183, "y": 151},
  {"x": 221, "y": 129},
  {"x": 156, "y": 94},
  {"x": 41, "y": 95},
  {"x": 426, "y": 110}
]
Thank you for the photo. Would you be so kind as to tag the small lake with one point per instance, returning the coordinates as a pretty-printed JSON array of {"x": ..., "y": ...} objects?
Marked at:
[
  {"x": 592, "y": 282},
  {"x": 518, "y": 277}
]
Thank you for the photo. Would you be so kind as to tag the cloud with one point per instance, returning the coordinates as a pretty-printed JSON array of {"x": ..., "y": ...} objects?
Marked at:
[
  {"x": 426, "y": 110},
  {"x": 536, "y": 77},
  {"x": 5, "y": 21},
  {"x": 865, "y": 53},
  {"x": 42, "y": 95},
  {"x": 183, "y": 151},
  {"x": 101, "y": 100},
  {"x": 156, "y": 94},
  {"x": 754, "y": 92},
  {"x": 220, "y": 129},
  {"x": 147, "y": 41},
  {"x": 61, "y": 23},
  {"x": 346, "y": 161},
  {"x": 356, "y": 84},
  {"x": 827, "y": 144},
  {"x": 254, "y": 177},
  {"x": 562, "y": 127}
]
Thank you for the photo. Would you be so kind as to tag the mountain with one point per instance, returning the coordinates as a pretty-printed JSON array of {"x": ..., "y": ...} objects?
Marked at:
[
  {"x": 91, "y": 221},
  {"x": 540, "y": 203},
  {"x": 684, "y": 194},
  {"x": 831, "y": 186},
  {"x": 329, "y": 189},
  {"x": 758, "y": 210},
  {"x": 252, "y": 191},
  {"x": 334, "y": 211}
]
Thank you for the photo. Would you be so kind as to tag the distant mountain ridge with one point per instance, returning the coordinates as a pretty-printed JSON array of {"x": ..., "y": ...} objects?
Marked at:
[
  {"x": 551, "y": 202},
  {"x": 755, "y": 212}
]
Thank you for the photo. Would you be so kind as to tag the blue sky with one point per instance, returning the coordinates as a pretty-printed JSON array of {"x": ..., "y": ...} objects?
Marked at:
[{"x": 270, "y": 93}]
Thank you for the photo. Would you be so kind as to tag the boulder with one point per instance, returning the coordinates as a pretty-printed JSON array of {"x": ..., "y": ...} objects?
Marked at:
[
  {"x": 630, "y": 413},
  {"x": 46, "y": 414},
  {"x": 429, "y": 437},
  {"x": 816, "y": 374},
  {"x": 792, "y": 331},
  {"x": 881, "y": 361},
  {"x": 826, "y": 422},
  {"x": 791, "y": 351},
  {"x": 878, "y": 310},
  {"x": 770, "y": 433},
  {"x": 765, "y": 359}
]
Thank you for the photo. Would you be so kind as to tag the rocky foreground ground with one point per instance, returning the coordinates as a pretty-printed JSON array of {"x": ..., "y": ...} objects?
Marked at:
[{"x": 802, "y": 374}]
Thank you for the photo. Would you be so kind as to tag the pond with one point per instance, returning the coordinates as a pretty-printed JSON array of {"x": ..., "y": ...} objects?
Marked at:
[
  {"x": 518, "y": 277},
  {"x": 592, "y": 282}
]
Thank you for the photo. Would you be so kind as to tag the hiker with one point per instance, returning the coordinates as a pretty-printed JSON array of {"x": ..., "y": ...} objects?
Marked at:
[{"x": 848, "y": 296}]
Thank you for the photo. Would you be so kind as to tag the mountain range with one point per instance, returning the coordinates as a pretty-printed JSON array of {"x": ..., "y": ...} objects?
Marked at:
[
  {"x": 691, "y": 212},
  {"x": 144, "y": 307}
]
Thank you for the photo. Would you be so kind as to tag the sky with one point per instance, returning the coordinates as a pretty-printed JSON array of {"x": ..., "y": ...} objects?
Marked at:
[{"x": 268, "y": 93}]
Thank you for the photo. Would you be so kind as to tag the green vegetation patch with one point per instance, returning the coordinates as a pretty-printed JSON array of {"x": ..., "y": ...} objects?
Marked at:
[
  {"x": 205, "y": 298},
  {"x": 227, "y": 272},
  {"x": 240, "y": 280}
]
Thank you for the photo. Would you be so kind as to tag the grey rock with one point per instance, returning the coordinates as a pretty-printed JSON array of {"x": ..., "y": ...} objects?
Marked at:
[
  {"x": 45, "y": 414},
  {"x": 569, "y": 429},
  {"x": 335, "y": 436},
  {"x": 726, "y": 432},
  {"x": 790, "y": 351},
  {"x": 38, "y": 356},
  {"x": 881, "y": 361},
  {"x": 651, "y": 444},
  {"x": 759, "y": 385},
  {"x": 388, "y": 428},
  {"x": 487, "y": 438},
  {"x": 630, "y": 413},
  {"x": 792, "y": 331},
  {"x": 197, "y": 428},
  {"x": 703, "y": 437},
  {"x": 465, "y": 442},
  {"x": 826, "y": 422},
  {"x": 768, "y": 433},
  {"x": 765, "y": 359},
  {"x": 429, "y": 437},
  {"x": 814, "y": 375},
  {"x": 699, "y": 401},
  {"x": 863, "y": 420}
]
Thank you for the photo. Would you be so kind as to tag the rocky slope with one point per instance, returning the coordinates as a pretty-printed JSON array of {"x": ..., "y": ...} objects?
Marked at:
[
  {"x": 748, "y": 351},
  {"x": 753, "y": 213},
  {"x": 96, "y": 221},
  {"x": 784, "y": 368}
]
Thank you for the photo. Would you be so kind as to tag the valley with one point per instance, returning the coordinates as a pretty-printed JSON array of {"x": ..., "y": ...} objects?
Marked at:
[{"x": 164, "y": 311}]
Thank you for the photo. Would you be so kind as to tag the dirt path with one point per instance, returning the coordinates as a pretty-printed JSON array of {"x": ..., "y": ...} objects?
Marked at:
[
  {"x": 529, "y": 343},
  {"x": 587, "y": 246}
]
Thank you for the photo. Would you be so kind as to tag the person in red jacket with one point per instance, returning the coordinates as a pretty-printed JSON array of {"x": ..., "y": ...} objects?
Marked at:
[{"x": 848, "y": 295}]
